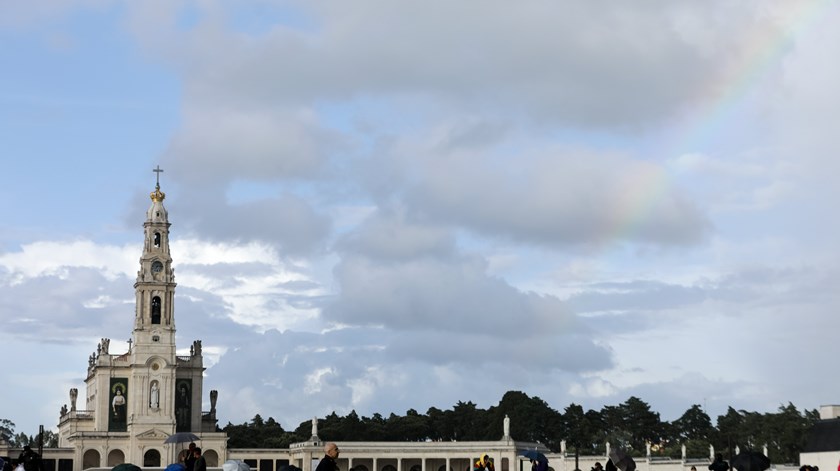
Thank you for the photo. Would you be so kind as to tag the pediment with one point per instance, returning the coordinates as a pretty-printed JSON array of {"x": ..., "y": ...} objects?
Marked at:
[{"x": 153, "y": 434}]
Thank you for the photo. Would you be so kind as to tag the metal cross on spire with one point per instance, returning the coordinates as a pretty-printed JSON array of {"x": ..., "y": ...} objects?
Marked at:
[{"x": 157, "y": 171}]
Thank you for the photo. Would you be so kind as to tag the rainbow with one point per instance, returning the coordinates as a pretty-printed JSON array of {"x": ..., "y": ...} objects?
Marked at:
[
  {"x": 645, "y": 190},
  {"x": 764, "y": 52}
]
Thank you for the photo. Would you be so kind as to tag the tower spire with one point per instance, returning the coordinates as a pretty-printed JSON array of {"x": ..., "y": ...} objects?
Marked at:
[
  {"x": 157, "y": 171},
  {"x": 157, "y": 196}
]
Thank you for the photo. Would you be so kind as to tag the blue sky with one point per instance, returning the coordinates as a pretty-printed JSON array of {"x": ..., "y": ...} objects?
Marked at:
[{"x": 375, "y": 203}]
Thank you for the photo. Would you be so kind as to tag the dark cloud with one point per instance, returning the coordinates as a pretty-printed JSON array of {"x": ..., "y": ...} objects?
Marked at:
[{"x": 576, "y": 63}]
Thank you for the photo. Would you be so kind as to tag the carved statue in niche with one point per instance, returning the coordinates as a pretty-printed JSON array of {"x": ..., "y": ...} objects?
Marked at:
[{"x": 154, "y": 396}]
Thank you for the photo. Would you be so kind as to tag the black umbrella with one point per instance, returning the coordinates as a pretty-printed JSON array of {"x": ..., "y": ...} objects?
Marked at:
[
  {"x": 751, "y": 461},
  {"x": 535, "y": 455},
  {"x": 181, "y": 437},
  {"x": 622, "y": 460},
  {"x": 126, "y": 467}
]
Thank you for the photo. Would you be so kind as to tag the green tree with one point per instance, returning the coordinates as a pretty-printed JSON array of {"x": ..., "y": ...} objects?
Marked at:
[
  {"x": 641, "y": 423},
  {"x": 466, "y": 421},
  {"x": 693, "y": 424},
  {"x": 376, "y": 428},
  {"x": 693, "y": 429},
  {"x": 7, "y": 430},
  {"x": 440, "y": 427},
  {"x": 578, "y": 429},
  {"x": 531, "y": 420}
]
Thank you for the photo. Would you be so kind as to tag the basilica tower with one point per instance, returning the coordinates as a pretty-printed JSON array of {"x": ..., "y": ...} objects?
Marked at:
[
  {"x": 154, "y": 323},
  {"x": 137, "y": 399}
]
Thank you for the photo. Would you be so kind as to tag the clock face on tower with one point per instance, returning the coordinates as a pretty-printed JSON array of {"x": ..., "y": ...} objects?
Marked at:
[{"x": 157, "y": 267}]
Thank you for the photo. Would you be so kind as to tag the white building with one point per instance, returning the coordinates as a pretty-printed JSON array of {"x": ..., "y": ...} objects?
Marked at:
[{"x": 135, "y": 400}]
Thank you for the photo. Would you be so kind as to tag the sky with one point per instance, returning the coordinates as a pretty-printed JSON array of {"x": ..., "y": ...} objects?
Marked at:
[{"x": 380, "y": 206}]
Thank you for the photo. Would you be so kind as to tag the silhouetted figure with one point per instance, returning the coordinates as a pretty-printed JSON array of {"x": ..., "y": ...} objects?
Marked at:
[{"x": 719, "y": 464}]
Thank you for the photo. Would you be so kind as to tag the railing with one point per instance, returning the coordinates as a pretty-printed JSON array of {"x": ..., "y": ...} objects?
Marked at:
[
  {"x": 121, "y": 358},
  {"x": 184, "y": 358},
  {"x": 81, "y": 414}
]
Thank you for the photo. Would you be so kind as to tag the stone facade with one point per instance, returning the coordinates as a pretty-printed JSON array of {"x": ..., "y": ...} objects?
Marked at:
[{"x": 135, "y": 400}]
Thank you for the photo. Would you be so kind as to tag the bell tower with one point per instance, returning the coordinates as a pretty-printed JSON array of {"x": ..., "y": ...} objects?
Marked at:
[
  {"x": 136, "y": 399},
  {"x": 154, "y": 323}
]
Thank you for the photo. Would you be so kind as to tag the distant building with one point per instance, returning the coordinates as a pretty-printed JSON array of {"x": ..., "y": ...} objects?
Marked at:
[{"x": 822, "y": 444}]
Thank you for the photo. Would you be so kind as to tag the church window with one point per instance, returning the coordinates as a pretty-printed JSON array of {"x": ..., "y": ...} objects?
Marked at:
[
  {"x": 151, "y": 459},
  {"x": 157, "y": 239},
  {"x": 156, "y": 310}
]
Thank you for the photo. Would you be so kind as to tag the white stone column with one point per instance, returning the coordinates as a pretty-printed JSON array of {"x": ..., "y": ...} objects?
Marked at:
[
  {"x": 765, "y": 451},
  {"x": 563, "y": 447},
  {"x": 423, "y": 463},
  {"x": 447, "y": 464},
  {"x": 375, "y": 467},
  {"x": 399, "y": 464},
  {"x": 712, "y": 452},
  {"x": 682, "y": 451},
  {"x": 349, "y": 463}
]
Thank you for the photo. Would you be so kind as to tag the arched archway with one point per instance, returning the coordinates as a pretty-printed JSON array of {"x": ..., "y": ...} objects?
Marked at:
[
  {"x": 211, "y": 458},
  {"x": 156, "y": 310},
  {"x": 115, "y": 457},
  {"x": 388, "y": 467},
  {"x": 91, "y": 459},
  {"x": 360, "y": 467},
  {"x": 151, "y": 459}
]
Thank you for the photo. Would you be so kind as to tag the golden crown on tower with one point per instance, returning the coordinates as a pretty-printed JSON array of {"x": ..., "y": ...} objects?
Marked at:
[{"x": 157, "y": 196}]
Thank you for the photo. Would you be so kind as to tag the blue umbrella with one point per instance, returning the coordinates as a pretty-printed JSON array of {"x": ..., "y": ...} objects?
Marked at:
[
  {"x": 182, "y": 437},
  {"x": 535, "y": 456},
  {"x": 176, "y": 467}
]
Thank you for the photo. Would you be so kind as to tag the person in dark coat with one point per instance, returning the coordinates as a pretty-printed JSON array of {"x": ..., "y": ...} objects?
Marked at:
[
  {"x": 719, "y": 464},
  {"x": 189, "y": 458},
  {"x": 31, "y": 460},
  {"x": 200, "y": 464},
  {"x": 328, "y": 463}
]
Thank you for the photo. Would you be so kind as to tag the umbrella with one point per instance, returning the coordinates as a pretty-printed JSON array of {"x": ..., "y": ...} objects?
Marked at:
[
  {"x": 126, "y": 467},
  {"x": 182, "y": 437},
  {"x": 235, "y": 465},
  {"x": 750, "y": 461},
  {"x": 535, "y": 456},
  {"x": 176, "y": 467},
  {"x": 622, "y": 460}
]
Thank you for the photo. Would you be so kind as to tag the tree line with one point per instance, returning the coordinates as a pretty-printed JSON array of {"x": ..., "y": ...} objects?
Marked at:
[
  {"x": 630, "y": 425},
  {"x": 20, "y": 439}
]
